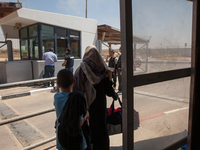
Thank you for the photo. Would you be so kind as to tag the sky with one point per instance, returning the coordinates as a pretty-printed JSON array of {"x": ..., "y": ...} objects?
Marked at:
[{"x": 167, "y": 23}]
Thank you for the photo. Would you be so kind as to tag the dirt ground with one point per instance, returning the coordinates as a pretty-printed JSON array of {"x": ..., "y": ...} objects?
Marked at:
[
  {"x": 4, "y": 55},
  {"x": 105, "y": 52}
]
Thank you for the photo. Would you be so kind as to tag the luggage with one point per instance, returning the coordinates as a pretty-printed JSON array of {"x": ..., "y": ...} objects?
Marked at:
[{"x": 114, "y": 119}]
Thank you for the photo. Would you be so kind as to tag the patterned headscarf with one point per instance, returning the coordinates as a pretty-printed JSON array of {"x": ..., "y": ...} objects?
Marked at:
[{"x": 90, "y": 72}]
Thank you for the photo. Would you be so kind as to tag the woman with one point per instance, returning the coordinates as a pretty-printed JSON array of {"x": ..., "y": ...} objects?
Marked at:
[{"x": 93, "y": 78}]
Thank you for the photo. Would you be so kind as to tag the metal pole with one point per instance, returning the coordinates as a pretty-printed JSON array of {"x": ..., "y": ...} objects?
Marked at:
[
  {"x": 25, "y": 116},
  {"x": 127, "y": 73},
  {"x": 110, "y": 48},
  {"x": 29, "y": 82},
  {"x": 86, "y": 10},
  {"x": 193, "y": 139},
  {"x": 40, "y": 143}
]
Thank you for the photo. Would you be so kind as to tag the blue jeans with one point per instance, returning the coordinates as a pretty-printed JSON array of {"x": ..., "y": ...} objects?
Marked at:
[
  {"x": 49, "y": 72},
  {"x": 71, "y": 69}
]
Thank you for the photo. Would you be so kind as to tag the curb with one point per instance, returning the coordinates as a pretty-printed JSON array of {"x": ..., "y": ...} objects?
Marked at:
[{"x": 27, "y": 93}]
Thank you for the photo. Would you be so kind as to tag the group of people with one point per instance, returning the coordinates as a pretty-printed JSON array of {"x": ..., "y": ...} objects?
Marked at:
[
  {"x": 115, "y": 66},
  {"x": 93, "y": 79},
  {"x": 50, "y": 59}
]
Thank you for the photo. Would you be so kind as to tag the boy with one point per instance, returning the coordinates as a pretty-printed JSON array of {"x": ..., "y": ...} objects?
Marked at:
[{"x": 73, "y": 108}]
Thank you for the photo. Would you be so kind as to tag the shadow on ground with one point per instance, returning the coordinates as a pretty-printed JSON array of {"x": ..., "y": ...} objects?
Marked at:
[{"x": 155, "y": 143}]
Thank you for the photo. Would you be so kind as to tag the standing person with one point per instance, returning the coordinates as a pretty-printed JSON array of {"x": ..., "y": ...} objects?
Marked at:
[
  {"x": 69, "y": 60},
  {"x": 112, "y": 63},
  {"x": 119, "y": 72},
  {"x": 49, "y": 68},
  {"x": 71, "y": 108},
  {"x": 93, "y": 78}
]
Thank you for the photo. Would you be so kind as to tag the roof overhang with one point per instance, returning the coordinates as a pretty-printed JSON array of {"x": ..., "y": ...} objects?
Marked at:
[
  {"x": 27, "y": 17},
  {"x": 112, "y": 35}
]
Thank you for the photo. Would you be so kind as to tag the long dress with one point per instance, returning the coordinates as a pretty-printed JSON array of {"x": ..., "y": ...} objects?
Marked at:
[{"x": 98, "y": 112}]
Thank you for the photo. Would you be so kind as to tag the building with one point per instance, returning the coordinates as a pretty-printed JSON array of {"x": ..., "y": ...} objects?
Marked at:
[{"x": 39, "y": 30}]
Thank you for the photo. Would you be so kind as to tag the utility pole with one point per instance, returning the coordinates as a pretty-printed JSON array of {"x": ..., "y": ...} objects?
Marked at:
[{"x": 86, "y": 10}]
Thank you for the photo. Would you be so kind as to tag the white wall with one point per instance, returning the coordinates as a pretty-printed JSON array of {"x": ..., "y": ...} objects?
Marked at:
[
  {"x": 86, "y": 40},
  {"x": 14, "y": 71},
  {"x": 38, "y": 67}
]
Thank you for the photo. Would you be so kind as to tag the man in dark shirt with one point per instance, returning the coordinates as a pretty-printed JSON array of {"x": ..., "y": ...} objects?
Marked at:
[
  {"x": 69, "y": 60},
  {"x": 119, "y": 71},
  {"x": 112, "y": 64}
]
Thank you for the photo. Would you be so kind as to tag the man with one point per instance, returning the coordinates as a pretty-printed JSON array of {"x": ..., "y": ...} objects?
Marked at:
[
  {"x": 49, "y": 69},
  {"x": 69, "y": 60},
  {"x": 119, "y": 71},
  {"x": 112, "y": 64}
]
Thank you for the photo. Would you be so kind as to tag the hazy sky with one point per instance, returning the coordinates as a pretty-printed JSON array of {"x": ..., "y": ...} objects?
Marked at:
[{"x": 167, "y": 22}]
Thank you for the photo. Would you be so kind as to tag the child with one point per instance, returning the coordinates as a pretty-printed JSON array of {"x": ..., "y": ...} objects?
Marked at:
[{"x": 72, "y": 107}]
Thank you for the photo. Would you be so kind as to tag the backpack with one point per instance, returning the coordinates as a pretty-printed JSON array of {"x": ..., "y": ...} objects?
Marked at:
[{"x": 69, "y": 133}]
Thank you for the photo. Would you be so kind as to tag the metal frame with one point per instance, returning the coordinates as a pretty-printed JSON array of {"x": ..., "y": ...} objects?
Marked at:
[
  {"x": 55, "y": 37},
  {"x": 194, "y": 111},
  {"x": 130, "y": 81},
  {"x": 127, "y": 72}
]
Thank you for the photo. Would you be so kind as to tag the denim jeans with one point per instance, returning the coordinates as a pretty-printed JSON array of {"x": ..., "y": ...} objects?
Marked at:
[
  {"x": 71, "y": 69},
  {"x": 49, "y": 72}
]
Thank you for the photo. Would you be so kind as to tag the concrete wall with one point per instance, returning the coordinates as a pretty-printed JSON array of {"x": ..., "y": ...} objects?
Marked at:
[
  {"x": 86, "y": 40},
  {"x": 14, "y": 71},
  {"x": 38, "y": 67}
]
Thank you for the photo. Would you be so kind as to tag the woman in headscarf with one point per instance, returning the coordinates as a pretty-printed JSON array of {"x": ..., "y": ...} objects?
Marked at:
[{"x": 93, "y": 78}]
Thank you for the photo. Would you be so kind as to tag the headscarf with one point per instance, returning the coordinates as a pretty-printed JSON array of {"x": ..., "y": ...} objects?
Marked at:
[{"x": 90, "y": 72}]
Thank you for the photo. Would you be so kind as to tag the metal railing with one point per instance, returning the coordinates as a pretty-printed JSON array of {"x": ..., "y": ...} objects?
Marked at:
[
  {"x": 174, "y": 146},
  {"x": 23, "y": 83},
  {"x": 28, "y": 82}
]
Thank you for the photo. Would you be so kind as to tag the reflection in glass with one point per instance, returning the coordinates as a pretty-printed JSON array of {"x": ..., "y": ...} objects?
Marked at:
[
  {"x": 46, "y": 44},
  {"x": 61, "y": 32},
  {"x": 47, "y": 30},
  {"x": 24, "y": 49},
  {"x": 34, "y": 53},
  {"x": 74, "y": 46},
  {"x": 161, "y": 42},
  {"x": 161, "y": 35},
  {"x": 73, "y": 34},
  {"x": 23, "y": 33},
  {"x": 61, "y": 47},
  {"x": 33, "y": 30}
]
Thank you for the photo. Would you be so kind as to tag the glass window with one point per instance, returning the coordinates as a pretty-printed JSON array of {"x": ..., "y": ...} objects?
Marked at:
[
  {"x": 74, "y": 34},
  {"x": 61, "y": 32},
  {"x": 161, "y": 42},
  {"x": 47, "y": 30},
  {"x": 161, "y": 35},
  {"x": 75, "y": 48},
  {"x": 34, "y": 53},
  {"x": 24, "y": 49},
  {"x": 33, "y": 30},
  {"x": 23, "y": 33},
  {"x": 61, "y": 47},
  {"x": 46, "y": 44}
]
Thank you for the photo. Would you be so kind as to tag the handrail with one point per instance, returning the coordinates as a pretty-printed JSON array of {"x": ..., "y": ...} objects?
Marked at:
[
  {"x": 26, "y": 116},
  {"x": 39, "y": 143},
  {"x": 28, "y": 82},
  {"x": 177, "y": 144}
]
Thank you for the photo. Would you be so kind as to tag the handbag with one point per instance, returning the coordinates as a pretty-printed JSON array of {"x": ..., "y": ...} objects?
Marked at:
[{"x": 114, "y": 119}]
